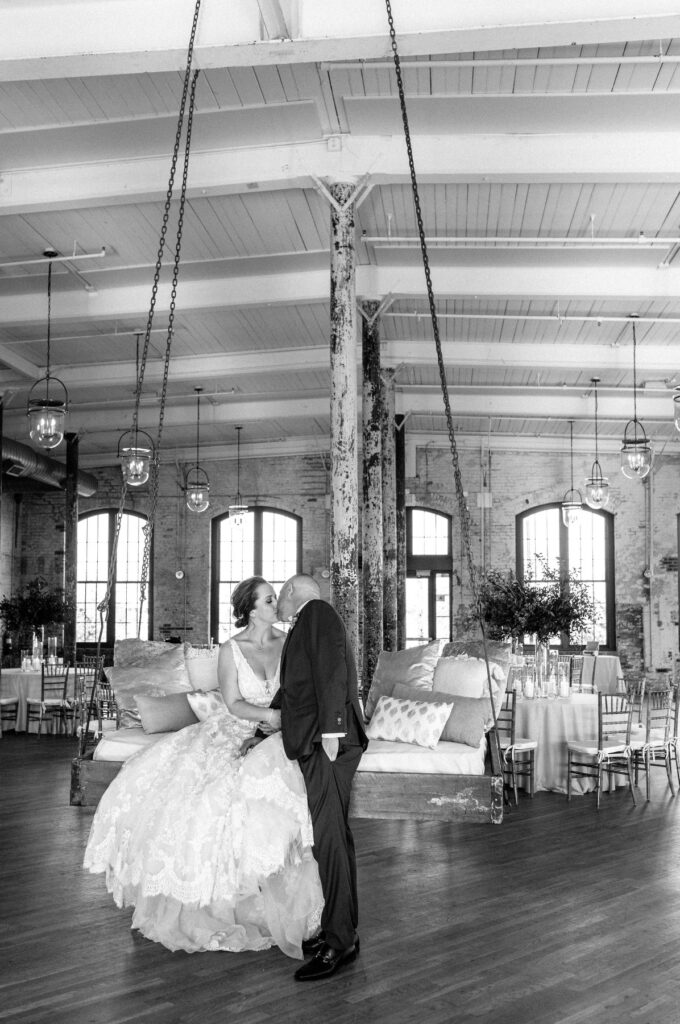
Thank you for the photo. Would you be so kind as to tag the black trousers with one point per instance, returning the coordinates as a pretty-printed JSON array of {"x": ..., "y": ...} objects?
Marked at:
[{"x": 329, "y": 784}]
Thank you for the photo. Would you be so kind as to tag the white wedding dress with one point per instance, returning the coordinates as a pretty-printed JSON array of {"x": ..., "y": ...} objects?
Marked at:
[{"x": 213, "y": 850}]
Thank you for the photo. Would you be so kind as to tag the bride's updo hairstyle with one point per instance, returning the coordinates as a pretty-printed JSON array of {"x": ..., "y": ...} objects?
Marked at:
[{"x": 244, "y": 597}]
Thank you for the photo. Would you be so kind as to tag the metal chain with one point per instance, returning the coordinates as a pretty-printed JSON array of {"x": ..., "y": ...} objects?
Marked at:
[
  {"x": 103, "y": 606},
  {"x": 462, "y": 504},
  {"x": 463, "y": 510},
  {"x": 155, "y": 474}
]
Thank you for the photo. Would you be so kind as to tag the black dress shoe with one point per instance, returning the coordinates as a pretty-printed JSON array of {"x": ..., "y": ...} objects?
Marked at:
[
  {"x": 326, "y": 962},
  {"x": 312, "y": 946}
]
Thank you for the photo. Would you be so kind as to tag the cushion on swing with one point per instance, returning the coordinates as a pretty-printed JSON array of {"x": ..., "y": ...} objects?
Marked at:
[
  {"x": 163, "y": 674},
  {"x": 467, "y": 677},
  {"x": 414, "y": 666},
  {"x": 134, "y": 652},
  {"x": 409, "y": 721},
  {"x": 205, "y": 705},
  {"x": 498, "y": 652},
  {"x": 201, "y": 664},
  {"x": 165, "y": 714},
  {"x": 470, "y": 717}
]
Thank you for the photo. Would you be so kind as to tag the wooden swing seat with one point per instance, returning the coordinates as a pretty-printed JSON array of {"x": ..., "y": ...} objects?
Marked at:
[{"x": 388, "y": 795}]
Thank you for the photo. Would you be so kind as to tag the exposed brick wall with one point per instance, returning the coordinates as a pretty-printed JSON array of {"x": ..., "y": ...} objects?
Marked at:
[{"x": 645, "y": 530}]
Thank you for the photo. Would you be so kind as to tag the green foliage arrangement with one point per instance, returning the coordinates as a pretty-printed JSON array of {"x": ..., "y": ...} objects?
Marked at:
[
  {"x": 33, "y": 607},
  {"x": 513, "y": 608}
]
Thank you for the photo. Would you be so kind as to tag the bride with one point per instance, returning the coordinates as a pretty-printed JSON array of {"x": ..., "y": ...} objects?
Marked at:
[{"x": 212, "y": 849}]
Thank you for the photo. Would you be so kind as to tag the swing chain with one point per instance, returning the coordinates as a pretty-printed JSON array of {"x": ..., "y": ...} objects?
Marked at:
[
  {"x": 155, "y": 476},
  {"x": 166, "y": 211},
  {"x": 462, "y": 504},
  {"x": 463, "y": 510},
  {"x": 103, "y": 606}
]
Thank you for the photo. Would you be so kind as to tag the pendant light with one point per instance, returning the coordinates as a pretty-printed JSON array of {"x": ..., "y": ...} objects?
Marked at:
[
  {"x": 572, "y": 501},
  {"x": 636, "y": 451},
  {"x": 238, "y": 510},
  {"x": 47, "y": 413},
  {"x": 198, "y": 485},
  {"x": 135, "y": 447},
  {"x": 597, "y": 485}
]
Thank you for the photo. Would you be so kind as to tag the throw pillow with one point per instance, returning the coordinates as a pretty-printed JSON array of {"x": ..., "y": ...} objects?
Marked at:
[
  {"x": 151, "y": 681},
  {"x": 463, "y": 677},
  {"x": 497, "y": 651},
  {"x": 201, "y": 665},
  {"x": 205, "y": 705},
  {"x": 165, "y": 714},
  {"x": 470, "y": 718},
  {"x": 409, "y": 721},
  {"x": 414, "y": 666},
  {"x": 128, "y": 653}
]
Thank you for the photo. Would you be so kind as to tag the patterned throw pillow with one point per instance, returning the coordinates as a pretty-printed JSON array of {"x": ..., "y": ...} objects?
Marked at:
[
  {"x": 201, "y": 664},
  {"x": 409, "y": 721},
  {"x": 414, "y": 666},
  {"x": 205, "y": 705},
  {"x": 470, "y": 719}
]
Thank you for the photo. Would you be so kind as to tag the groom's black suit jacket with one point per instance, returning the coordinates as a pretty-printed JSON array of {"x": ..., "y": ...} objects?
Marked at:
[{"x": 319, "y": 693}]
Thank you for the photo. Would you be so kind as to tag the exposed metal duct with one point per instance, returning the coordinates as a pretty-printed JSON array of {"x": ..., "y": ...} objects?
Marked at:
[{"x": 25, "y": 462}]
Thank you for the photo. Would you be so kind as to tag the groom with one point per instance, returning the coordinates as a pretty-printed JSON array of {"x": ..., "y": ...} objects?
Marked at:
[{"x": 322, "y": 727}]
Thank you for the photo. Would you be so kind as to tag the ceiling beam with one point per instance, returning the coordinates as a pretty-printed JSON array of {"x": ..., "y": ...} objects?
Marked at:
[
  {"x": 624, "y": 156},
  {"x": 521, "y": 403},
  {"x": 658, "y": 361},
  {"x": 528, "y": 279},
  {"x": 100, "y": 38}
]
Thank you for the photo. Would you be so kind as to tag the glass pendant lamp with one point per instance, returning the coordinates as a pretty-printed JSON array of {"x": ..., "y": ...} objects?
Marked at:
[
  {"x": 572, "y": 502},
  {"x": 597, "y": 485},
  {"x": 198, "y": 485}
]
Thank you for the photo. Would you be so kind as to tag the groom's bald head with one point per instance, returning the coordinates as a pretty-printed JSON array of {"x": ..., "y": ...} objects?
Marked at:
[{"x": 295, "y": 592}]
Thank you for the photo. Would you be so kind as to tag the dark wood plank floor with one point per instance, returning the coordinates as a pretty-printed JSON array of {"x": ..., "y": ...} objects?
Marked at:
[{"x": 560, "y": 914}]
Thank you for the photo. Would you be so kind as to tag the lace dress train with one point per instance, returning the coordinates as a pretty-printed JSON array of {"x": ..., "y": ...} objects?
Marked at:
[{"x": 214, "y": 851}]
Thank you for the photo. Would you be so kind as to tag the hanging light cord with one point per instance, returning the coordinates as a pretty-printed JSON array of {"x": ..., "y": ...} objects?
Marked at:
[
  {"x": 198, "y": 424},
  {"x": 634, "y": 375},
  {"x": 571, "y": 451},
  {"x": 597, "y": 457},
  {"x": 49, "y": 328},
  {"x": 238, "y": 466}
]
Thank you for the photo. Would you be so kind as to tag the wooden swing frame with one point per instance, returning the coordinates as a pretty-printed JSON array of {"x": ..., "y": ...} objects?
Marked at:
[{"x": 387, "y": 795}]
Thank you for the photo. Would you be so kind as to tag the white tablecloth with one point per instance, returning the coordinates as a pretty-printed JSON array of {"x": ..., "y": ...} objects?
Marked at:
[
  {"x": 551, "y": 723},
  {"x": 24, "y": 685},
  {"x": 604, "y": 670}
]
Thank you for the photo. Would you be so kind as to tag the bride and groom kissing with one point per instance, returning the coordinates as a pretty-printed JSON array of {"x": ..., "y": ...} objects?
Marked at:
[{"x": 222, "y": 852}]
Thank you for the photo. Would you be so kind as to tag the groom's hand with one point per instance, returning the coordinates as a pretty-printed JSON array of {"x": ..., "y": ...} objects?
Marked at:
[{"x": 331, "y": 745}]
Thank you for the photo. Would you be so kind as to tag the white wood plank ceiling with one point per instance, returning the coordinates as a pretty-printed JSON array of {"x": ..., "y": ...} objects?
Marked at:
[{"x": 548, "y": 158}]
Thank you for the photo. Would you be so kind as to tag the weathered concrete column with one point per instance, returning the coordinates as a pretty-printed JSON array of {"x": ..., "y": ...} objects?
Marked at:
[
  {"x": 344, "y": 561},
  {"x": 71, "y": 545},
  {"x": 400, "y": 472},
  {"x": 389, "y": 494},
  {"x": 372, "y": 520}
]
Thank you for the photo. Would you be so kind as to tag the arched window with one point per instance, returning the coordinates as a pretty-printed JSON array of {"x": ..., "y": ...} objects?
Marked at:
[
  {"x": 96, "y": 533},
  {"x": 428, "y": 576},
  {"x": 268, "y": 543},
  {"x": 587, "y": 548}
]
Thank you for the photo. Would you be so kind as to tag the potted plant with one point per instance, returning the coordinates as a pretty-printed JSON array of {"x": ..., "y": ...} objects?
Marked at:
[
  {"x": 514, "y": 608},
  {"x": 31, "y": 609}
]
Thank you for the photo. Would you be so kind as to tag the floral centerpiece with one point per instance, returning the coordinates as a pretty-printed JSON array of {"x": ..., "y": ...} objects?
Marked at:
[
  {"x": 514, "y": 608},
  {"x": 29, "y": 610}
]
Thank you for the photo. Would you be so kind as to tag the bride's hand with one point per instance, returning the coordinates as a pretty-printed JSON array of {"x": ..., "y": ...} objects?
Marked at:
[{"x": 272, "y": 720}]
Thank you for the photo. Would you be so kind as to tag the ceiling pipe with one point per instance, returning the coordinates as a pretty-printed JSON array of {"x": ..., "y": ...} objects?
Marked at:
[{"x": 25, "y": 462}]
